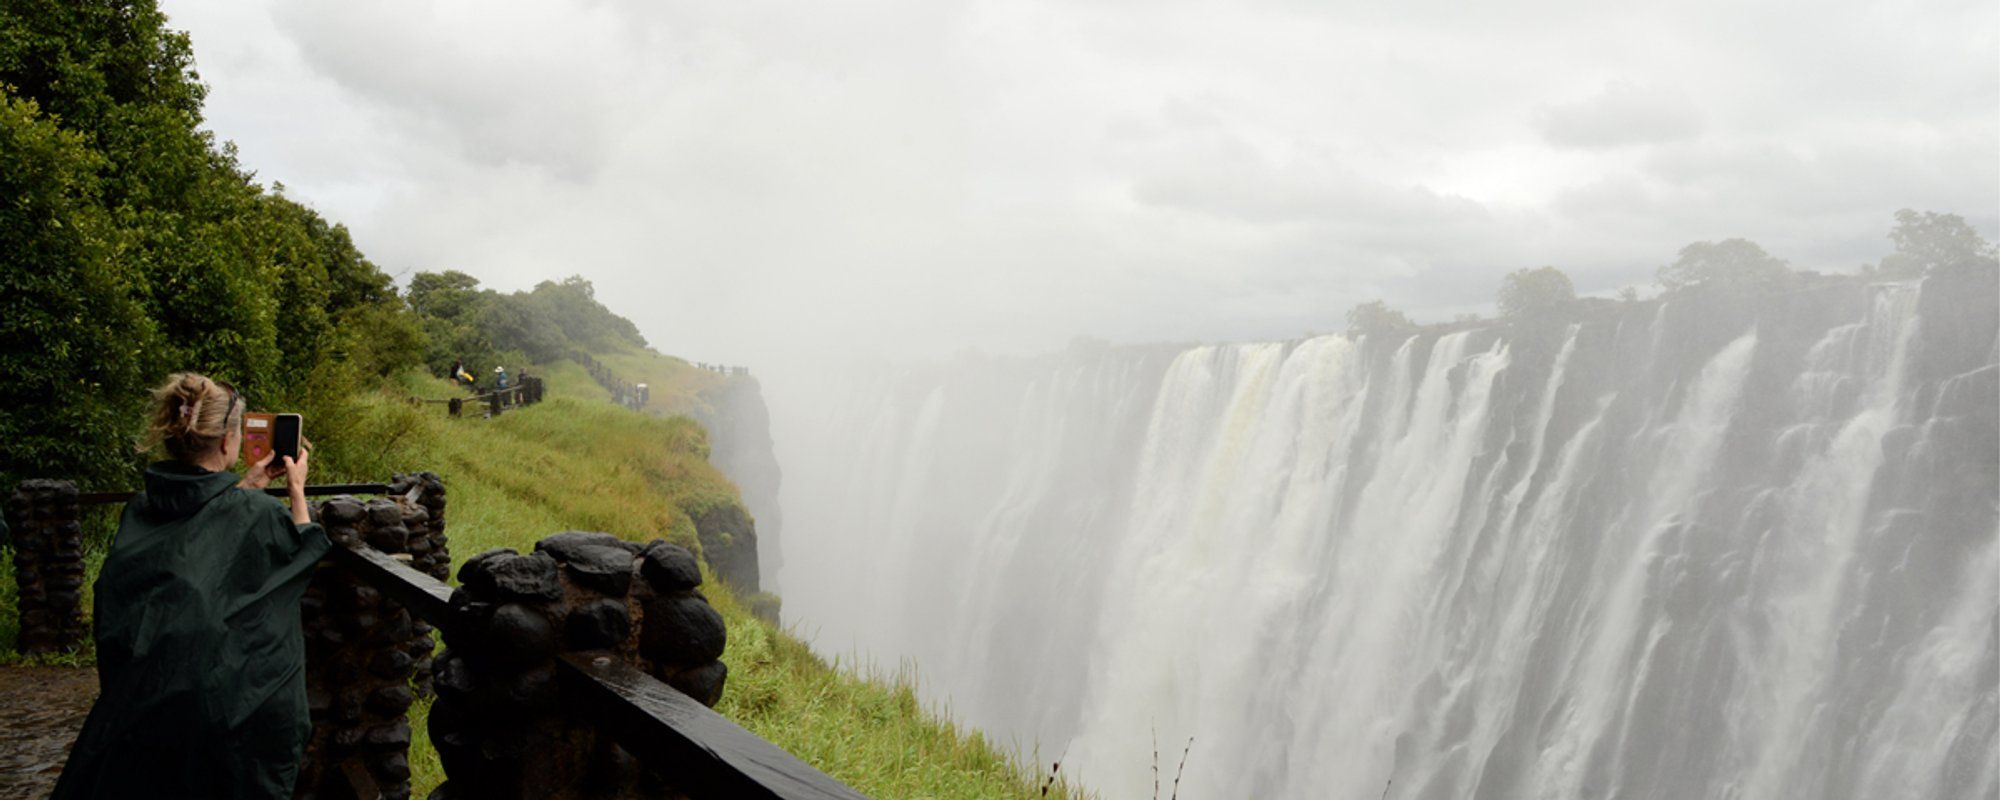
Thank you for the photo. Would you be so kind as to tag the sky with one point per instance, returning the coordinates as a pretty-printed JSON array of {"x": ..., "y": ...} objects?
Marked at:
[{"x": 754, "y": 182}]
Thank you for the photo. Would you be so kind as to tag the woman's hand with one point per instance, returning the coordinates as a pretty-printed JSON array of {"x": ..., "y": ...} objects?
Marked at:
[
  {"x": 295, "y": 481},
  {"x": 295, "y": 469},
  {"x": 260, "y": 473}
]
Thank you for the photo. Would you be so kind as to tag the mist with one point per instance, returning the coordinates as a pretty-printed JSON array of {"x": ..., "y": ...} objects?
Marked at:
[
  {"x": 1705, "y": 546},
  {"x": 765, "y": 183},
  {"x": 1048, "y": 302}
]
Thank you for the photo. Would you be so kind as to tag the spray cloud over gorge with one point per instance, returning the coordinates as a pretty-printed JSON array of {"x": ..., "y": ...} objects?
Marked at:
[
  {"x": 1721, "y": 544},
  {"x": 1701, "y": 547}
]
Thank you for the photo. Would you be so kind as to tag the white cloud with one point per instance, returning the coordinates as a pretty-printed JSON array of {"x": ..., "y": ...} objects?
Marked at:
[
  {"x": 1622, "y": 114},
  {"x": 755, "y": 181}
]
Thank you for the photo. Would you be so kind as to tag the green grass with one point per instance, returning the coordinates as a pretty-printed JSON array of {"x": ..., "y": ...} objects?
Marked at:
[
  {"x": 870, "y": 731},
  {"x": 578, "y": 462},
  {"x": 674, "y": 385},
  {"x": 98, "y": 524}
]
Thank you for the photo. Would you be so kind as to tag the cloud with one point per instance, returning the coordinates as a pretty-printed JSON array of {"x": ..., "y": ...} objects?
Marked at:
[
  {"x": 1621, "y": 115},
  {"x": 762, "y": 180}
]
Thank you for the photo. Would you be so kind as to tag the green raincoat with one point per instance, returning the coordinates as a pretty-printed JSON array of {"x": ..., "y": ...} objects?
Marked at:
[{"x": 200, "y": 657}]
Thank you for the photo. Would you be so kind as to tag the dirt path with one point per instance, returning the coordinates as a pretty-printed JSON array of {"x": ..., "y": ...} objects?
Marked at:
[{"x": 41, "y": 709}]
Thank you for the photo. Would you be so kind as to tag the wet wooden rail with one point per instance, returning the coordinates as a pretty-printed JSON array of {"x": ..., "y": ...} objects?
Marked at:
[
  {"x": 319, "y": 490},
  {"x": 702, "y": 751}
]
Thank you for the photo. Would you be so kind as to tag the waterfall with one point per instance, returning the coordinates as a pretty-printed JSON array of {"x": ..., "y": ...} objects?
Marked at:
[{"x": 1707, "y": 547}]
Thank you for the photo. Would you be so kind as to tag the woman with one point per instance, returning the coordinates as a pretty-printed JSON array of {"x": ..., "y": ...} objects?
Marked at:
[{"x": 200, "y": 659}]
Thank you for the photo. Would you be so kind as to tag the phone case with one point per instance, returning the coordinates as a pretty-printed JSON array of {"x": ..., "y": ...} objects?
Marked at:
[{"x": 257, "y": 430}]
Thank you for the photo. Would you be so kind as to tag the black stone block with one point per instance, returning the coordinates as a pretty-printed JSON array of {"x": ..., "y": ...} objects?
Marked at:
[
  {"x": 602, "y": 625},
  {"x": 682, "y": 631},
  {"x": 475, "y": 576},
  {"x": 564, "y": 545},
  {"x": 519, "y": 636},
  {"x": 703, "y": 683},
  {"x": 670, "y": 567},
  {"x": 391, "y": 699},
  {"x": 529, "y": 577},
  {"x": 342, "y": 511},
  {"x": 601, "y": 569},
  {"x": 391, "y": 664},
  {"x": 391, "y": 538},
  {"x": 384, "y": 513},
  {"x": 395, "y": 735}
]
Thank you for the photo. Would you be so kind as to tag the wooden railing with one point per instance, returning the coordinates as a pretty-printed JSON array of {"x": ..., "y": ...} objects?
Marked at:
[
  {"x": 319, "y": 490},
  {"x": 703, "y": 752},
  {"x": 673, "y": 735},
  {"x": 623, "y": 392},
  {"x": 527, "y": 392}
]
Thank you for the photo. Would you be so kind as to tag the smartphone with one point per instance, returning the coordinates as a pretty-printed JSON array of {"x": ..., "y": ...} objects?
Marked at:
[
  {"x": 257, "y": 436},
  {"x": 285, "y": 432}
]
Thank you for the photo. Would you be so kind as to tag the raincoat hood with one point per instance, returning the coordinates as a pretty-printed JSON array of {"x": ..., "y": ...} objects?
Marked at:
[{"x": 175, "y": 490}]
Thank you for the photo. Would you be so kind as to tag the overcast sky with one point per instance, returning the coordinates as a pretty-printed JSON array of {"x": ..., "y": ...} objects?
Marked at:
[{"x": 752, "y": 181}]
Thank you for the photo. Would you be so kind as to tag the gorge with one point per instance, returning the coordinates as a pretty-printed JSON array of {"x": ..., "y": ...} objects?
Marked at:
[{"x": 1711, "y": 545}]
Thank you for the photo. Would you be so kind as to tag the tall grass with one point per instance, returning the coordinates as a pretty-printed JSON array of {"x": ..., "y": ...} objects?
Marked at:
[{"x": 579, "y": 462}]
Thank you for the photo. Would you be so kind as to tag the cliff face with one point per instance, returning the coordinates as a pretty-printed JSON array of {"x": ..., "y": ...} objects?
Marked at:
[
  {"x": 1708, "y": 546},
  {"x": 739, "y": 433}
]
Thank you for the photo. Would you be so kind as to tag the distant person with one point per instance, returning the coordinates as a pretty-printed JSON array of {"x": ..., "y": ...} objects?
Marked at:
[
  {"x": 500, "y": 377},
  {"x": 200, "y": 656},
  {"x": 464, "y": 376}
]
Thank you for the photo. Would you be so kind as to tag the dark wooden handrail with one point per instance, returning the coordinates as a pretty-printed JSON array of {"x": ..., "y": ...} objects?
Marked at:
[
  {"x": 425, "y": 596},
  {"x": 320, "y": 490},
  {"x": 656, "y": 723}
]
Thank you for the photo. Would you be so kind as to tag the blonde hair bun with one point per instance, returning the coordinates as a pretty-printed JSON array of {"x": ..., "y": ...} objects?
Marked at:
[{"x": 191, "y": 414}]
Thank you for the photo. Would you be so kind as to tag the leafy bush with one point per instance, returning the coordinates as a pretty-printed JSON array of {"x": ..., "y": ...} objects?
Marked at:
[
  {"x": 482, "y": 328},
  {"x": 1535, "y": 293},
  {"x": 136, "y": 247},
  {"x": 1376, "y": 317},
  {"x": 1730, "y": 263}
]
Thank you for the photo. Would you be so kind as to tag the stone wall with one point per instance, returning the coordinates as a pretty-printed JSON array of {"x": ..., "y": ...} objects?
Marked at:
[
  {"x": 368, "y": 657},
  {"x": 499, "y": 724},
  {"x": 48, "y": 565}
]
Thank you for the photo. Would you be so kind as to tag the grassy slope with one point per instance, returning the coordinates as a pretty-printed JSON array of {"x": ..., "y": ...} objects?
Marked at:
[{"x": 579, "y": 462}]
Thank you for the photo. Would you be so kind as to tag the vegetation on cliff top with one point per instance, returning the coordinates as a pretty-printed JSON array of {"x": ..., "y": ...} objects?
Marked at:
[
  {"x": 578, "y": 461},
  {"x": 134, "y": 245},
  {"x": 1925, "y": 243}
]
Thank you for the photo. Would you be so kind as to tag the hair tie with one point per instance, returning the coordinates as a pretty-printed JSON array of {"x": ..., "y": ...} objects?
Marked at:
[{"x": 187, "y": 411}]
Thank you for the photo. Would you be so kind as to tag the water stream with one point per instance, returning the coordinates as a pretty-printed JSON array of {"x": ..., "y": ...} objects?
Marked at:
[{"x": 1700, "y": 548}]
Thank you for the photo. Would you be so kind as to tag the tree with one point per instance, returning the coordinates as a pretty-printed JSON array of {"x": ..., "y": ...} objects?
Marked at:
[
  {"x": 1375, "y": 317},
  {"x": 133, "y": 245},
  {"x": 1732, "y": 263},
  {"x": 446, "y": 295},
  {"x": 1931, "y": 241},
  {"x": 1535, "y": 293},
  {"x": 76, "y": 345},
  {"x": 572, "y": 305}
]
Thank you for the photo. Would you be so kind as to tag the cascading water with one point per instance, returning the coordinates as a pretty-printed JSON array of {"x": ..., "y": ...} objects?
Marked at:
[{"x": 1713, "y": 547}]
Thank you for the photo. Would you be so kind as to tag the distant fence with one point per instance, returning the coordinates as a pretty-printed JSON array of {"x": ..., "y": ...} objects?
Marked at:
[
  {"x": 623, "y": 392},
  {"x": 527, "y": 391},
  {"x": 723, "y": 369},
  {"x": 581, "y": 670}
]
